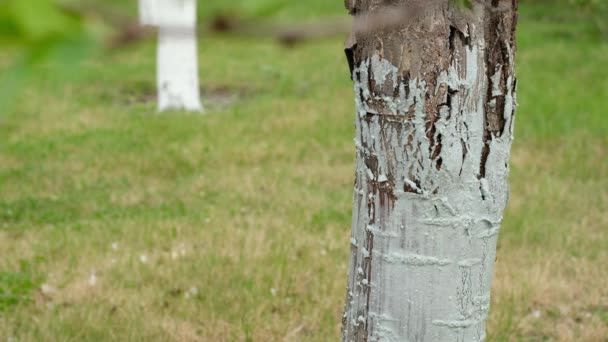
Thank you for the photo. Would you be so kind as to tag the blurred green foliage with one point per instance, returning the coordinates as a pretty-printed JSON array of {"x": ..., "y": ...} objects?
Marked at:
[
  {"x": 591, "y": 3},
  {"x": 36, "y": 20},
  {"x": 41, "y": 31},
  {"x": 59, "y": 31},
  {"x": 39, "y": 26},
  {"x": 595, "y": 9}
]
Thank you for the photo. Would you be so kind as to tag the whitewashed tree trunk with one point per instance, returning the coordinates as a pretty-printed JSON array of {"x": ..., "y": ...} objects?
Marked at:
[
  {"x": 177, "y": 59},
  {"x": 435, "y": 100}
]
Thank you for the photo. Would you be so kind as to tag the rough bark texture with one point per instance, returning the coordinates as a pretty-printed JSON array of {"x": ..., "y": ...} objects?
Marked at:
[
  {"x": 177, "y": 60},
  {"x": 435, "y": 99}
]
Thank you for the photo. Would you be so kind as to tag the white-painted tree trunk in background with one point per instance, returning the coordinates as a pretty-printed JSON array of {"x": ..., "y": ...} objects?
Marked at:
[
  {"x": 435, "y": 100},
  {"x": 177, "y": 59}
]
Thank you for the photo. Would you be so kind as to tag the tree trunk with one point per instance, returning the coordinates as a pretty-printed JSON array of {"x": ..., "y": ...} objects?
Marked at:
[
  {"x": 177, "y": 60},
  {"x": 435, "y": 99},
  {"x": 177, "y": 70}
]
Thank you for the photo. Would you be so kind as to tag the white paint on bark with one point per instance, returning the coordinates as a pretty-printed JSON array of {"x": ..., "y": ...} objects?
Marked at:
[
  {"x": 420, "y": 221},
  {"x": 177, "y": 55},
  {"x": 168, "y": 13},
  {"x": 177, "y": 74}
]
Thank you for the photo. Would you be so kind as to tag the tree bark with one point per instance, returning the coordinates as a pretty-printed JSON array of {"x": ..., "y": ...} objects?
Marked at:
[
  {"x": 435, "y": 101},
  {"x": 177, "y": 55},
  {"x": 177, "y": 70}
]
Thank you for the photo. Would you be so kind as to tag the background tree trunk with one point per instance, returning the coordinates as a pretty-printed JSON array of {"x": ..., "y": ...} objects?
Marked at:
[
  {"x": 177, "y": 70},
  {"x": 177, "y": 57},
  {"x": 435, "y": 99}
]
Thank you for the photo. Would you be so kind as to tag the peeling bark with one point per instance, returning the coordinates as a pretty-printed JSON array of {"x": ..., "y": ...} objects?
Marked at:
[
  {"x": 435, "y": 101},
  {"x": 177, "y": 60}
]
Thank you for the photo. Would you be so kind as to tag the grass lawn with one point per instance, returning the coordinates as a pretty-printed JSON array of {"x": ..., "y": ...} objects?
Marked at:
[{"x": 117, "y": 223}]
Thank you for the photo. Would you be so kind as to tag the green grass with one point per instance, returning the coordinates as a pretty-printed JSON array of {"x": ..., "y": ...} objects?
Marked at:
[
  {"x": 15, "y": 287},
  {"x": 250, "y": 204}
]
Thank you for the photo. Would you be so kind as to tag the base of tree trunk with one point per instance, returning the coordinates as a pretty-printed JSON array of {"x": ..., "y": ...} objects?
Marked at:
[{"x": 178, "y": 83}]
